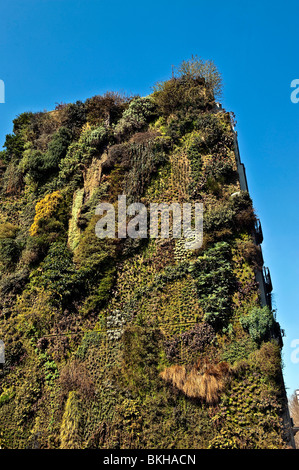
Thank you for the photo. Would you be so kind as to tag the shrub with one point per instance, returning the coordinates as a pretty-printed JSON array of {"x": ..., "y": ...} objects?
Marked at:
[
  {"x": 198, "y": 337},
  {"x": 95, "y": 260},
  {"x": 215, "y": 283},
  {"x": 176, "y": 94},
  {"x": 238, "y": 350},
  {"x": 146, "y": 158},
  {"x": 57, "y": 148},
  {"x": 92, "y": 253},
  {"x": 22, "y": 121},
  {"x": 49, "y": 208},
  {"x": 74, "y": 377},
  {"x": 35, "y": 250},
  {"x": 14, "y": 147},
  {"x": 58, "y": 275},
  {"x": 72, "y": 166},
  {"x": 9, "y": 253},
  {"x": 138, "y": 114},
  {"x": 195, "y": 340},
  {"x": 74, "y": 116},
  {"x": 105, "y": 109},
  {"x": 87, "y": 209},
  {"x": 12, "y": 285},
  {"x": 42, "y": 127},
  {"x": 119, "y": 155},
  {"x": 32, "y": 163},
  {"x": 196, "y": 68},
  {"x": 97, "y": 136},
  {"x": 12, "y": 180},
  {"x": 217, "y": 218},
  {"x": 216, "y": 133},
  {"x": 80, "y": 153},
  {"x": 221, "y": 171},
  {"x": 179, "y": 124},
  {"x": 249, "y": 252},
  {"x": 169, "y": 96},
  {"x": 15, "y": 142},
  {"x": 8, "y": 230},
  {"x": 268, "y": 360},
  {"x": 258, "y": 322},
  {"x": 100, "y": 291},
  {"x": 41, "y": 165},
  {"x": 244, "y": 218},
  {"x": 35, "y": 311},
  {"x": 236, "y": 215},
  {"x": 14, "y": 350},
  {"x": 193, "y": 87}
]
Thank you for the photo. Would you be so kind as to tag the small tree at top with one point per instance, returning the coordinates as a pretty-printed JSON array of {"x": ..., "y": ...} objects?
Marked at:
[{"x": 197, "y": 68}]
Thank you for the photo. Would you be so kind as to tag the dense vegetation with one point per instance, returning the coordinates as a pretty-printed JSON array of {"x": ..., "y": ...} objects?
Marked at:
[{"x": 132, "y": 343}]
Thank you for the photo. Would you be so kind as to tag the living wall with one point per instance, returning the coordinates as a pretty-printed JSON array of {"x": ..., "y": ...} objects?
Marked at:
[{"x": 133, "y": 343}]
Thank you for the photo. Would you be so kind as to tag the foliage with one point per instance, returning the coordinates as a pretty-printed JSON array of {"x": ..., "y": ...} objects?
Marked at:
[
  {"x": 258, "y": 322},
  {"x": 267, "y": 359},
  {"x": 133, "y": 343},
  {"x": 180, "y": 94},
  {"x": 134, "y": 118},
  {"x": 197, "y": 68},
  {"x": 145, "y": 160},
  {"x": 74, "y": 116},
  {"x": 9, "y": 253},
  {"x": 105, "y": 109},
  {"x": 245, "y": 217},
  {"x": 14, "y": 144},
  {"x": 80, "y": 153},
  {"x": 9, "y": 247},
  {"x": 94, "y": 253},
  {"x": 32, "y": 163},
  {"x": 74, "y": 230},
  {"x": 238, "y": 350},
  {"x": 58, "y": 275},
  {"x": 249, "y": 416},
  {"x": 70, "y": 427},
  {"x": 36, "y": 313},
  {"x": 74, "y": 376},
  {"x": 234, "y": 216},
  {"x": 140, "y": 358},
  {"x": 195, "y": 340},
  {"x": 57, "y": 148},
  {"x": 45, "y": 210},
  {"x": 215, "y": 283},
  {"x": 12, "y": 183}
]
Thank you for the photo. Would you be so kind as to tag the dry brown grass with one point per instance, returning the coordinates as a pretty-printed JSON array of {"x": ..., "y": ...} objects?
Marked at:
[
  {"x": 204, "y": 381},
  {"x": 176, "y": 375},
  {"x": 74, "y": 377}
]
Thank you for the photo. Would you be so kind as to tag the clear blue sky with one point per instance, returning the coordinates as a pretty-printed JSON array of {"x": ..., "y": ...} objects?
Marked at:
[{"x": 63, "y": 50}]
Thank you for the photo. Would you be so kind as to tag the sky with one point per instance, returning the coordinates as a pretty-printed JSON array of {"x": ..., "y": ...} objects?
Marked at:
[{"x": 54, "y": 51}]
